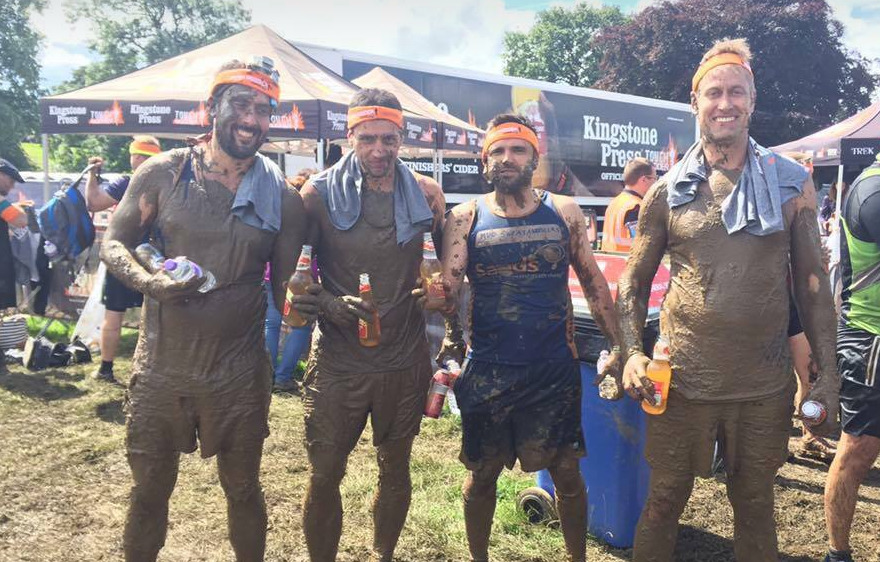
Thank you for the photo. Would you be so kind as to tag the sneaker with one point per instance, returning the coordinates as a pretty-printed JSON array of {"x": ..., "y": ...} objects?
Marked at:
[
  {"x": 817, "y": 448},
  {"x": 839, "y": 556},
  {"x": 104, "y": 376},
  {"x": 289, "y": 386}
]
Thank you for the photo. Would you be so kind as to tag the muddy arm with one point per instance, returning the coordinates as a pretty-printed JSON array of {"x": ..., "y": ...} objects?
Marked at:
[
  {"x": 288, "y": 243},
  {"x": 454, "y": 260},
  {"x": 634, "y": 285},
  {"x": 812, "y": 292},
  {"x": 592, "y": 280},
  {"x": 130, "y": 222}
]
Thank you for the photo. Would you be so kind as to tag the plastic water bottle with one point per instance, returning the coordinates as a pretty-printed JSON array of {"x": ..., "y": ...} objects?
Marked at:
[
  {"x": 150, "y": 257},
  {"x": 184, "y": 269},
  {"x": 608, "y": 388}
]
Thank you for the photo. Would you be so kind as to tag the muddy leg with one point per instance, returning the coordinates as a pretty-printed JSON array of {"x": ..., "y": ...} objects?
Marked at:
[
  {"x": 658, "y": 525},
  {"x": 855, "y": 455},
  {"x": 322, "y": 507},
  {"x": 239, "y": 472},
  {"x": 147, "y": 521},
  {"x": 754, "y": 527},
  {"x": 479, "y": 507},
  {"x": 391, "y": 502},
  {"x": 571, "y": 502}
]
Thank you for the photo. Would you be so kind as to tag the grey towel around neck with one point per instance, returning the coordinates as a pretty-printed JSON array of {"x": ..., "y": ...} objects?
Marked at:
[
  {"x": 340, "y": 187},
  {"x": 257, "y": 201},
  {"x": 767, "y": 181}
]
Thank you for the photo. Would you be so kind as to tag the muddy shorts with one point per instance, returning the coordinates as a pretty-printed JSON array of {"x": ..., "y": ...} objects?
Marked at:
[
  {"x": 159, "y": 422},
  {"x": 509, "y": 412},
  {"x": 337, "y": 406},
  {"x": 119, "y": 298},
  {"x": 858, "y": 360},
  {"x": 753, "y": 434}
]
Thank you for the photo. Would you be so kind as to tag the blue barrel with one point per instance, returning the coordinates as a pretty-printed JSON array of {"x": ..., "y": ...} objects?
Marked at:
[{"x": 615, "y": 471}]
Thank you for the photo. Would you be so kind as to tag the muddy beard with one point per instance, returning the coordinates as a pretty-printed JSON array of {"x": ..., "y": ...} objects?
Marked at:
[
  {"x": 235, "y": 150},
  {"x": 514, "y": 184}
]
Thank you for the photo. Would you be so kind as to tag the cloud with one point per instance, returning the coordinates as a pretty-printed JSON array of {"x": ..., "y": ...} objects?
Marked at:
[
  {"x": 860, "y": 19},
  {"x": 56, "y": 55},
  {"x": 460, "y": 33}
]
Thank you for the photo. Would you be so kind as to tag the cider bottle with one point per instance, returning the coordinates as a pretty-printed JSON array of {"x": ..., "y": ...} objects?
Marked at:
[
  {"x": 297, "y": 285},
  {"x": 432, "y": 278},
  {"x": 368, "y": 332},
  {"x": 660, "y": 374}
]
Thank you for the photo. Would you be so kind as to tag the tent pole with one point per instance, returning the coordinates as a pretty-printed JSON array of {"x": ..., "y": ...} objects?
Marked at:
[
  {"x": 45, "y": 139},
  {"x": 440, "y": 168},
  {"x": 320, "y": 155},
  {"x": 839, "y": 198}
]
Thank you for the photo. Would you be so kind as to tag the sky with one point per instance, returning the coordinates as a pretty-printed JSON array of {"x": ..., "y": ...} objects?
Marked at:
[{"x": 458, "y": 33}]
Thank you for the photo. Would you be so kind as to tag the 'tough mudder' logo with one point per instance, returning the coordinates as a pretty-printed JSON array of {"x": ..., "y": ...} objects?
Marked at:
[
  {"x": 111, "y": 116},
  {"x": 195, "y": 117},
  {"x": 292, "y": 120}
]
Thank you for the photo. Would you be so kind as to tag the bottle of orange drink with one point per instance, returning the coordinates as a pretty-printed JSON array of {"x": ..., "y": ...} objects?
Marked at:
[{"x": 660, "y": 374}]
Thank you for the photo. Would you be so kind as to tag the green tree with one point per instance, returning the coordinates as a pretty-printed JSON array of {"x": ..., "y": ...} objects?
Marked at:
[
  {"x": 19, "y": 78},
  {"x": 560, "y": 46},
  {"x": 805, "y": 77},
  {"x": 132, "y": 34}
]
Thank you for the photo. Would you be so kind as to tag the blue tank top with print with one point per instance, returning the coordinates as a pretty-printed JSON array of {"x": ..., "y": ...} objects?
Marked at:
[{"x": 520, "y": 307}]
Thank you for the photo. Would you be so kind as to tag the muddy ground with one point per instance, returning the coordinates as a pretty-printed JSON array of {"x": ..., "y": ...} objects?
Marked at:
[{"x": 64, "y": 484}]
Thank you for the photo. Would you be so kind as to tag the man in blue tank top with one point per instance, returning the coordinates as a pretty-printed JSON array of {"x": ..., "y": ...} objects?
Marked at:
[{"x": 520, "y": 392}]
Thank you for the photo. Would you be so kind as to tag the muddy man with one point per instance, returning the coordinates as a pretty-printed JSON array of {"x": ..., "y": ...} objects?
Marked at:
[
  {"x": 201, "y": 374},
  {"x": 735, "y": 219}
]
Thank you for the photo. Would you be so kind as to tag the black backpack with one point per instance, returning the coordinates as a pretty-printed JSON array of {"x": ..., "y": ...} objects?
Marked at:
[{"x": 65, "y": 221}]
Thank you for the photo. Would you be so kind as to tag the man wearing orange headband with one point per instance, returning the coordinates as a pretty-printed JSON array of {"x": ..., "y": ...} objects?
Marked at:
[
  {"x": 117, "y": 298},
  {"x": 201, "y": 377},
  {"x": 735, "y": 220},
  {"x": 520, "y": 393},
  {"x": 369, "y": 214}
]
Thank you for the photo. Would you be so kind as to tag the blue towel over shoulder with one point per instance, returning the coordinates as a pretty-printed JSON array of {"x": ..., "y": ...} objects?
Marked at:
[
  {"x": 257, "y": 201},
  {"x": 767, "y": 181},
  {"x": 340, "y": 187}
]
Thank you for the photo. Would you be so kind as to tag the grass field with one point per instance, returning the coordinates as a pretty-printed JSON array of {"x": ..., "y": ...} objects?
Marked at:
[{"x": 64, "y": 485}]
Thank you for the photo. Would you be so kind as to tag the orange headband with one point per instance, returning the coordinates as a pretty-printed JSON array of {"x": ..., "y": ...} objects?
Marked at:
[
  {"x": 506, "y": 131},
  {"x": 357, "y": 115},
  {"x": 143, "y": 148},
  {"x": 718, "y": 60},
  {"x": 252, "y": 79}
]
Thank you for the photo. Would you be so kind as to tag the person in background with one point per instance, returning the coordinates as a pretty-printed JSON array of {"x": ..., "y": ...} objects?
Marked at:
[
  {"x": 11, "y": 214},
  {"x": 622, "y": 213},
  {"x": 858, "y": 357},
  {"x": 296, "y": 340},
  {"x": 117, "y": 298}
]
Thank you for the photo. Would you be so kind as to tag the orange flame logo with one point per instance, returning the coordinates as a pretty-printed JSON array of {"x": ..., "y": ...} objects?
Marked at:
[
  {"x": 111, "y": 116},
  {"x": 670, "y": 155},
  {"x": 428, "y": 134},
  {"x": 292, "y": 120},
  {"x": 472, "y": 119},
  {"x": 197, "y": 117}
]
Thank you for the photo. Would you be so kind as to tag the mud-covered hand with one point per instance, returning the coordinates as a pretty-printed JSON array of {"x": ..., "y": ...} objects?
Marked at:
[
  {"x": 345, "y": 310},
  {"x": 164, "y": 289},
  {"x": 613, "y": 370},
  {"x": 451, "y": 348},
  {"x": 420, "y": 293},
  {"x": 635, "y": 379},
  {"x": 308, "y": 305},
  {"x": 830, "y": 400}
]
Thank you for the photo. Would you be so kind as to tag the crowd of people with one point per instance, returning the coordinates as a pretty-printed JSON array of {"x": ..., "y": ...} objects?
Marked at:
[{"x": 749, "y": 295}]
